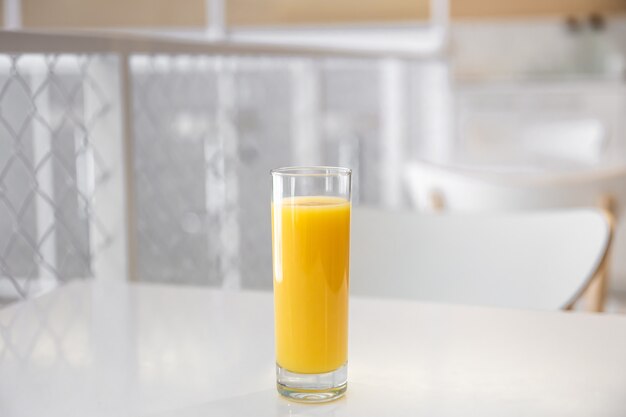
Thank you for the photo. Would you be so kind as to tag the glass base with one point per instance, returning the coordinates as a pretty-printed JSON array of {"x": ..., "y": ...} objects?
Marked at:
[{"x": 312, "y": 388}]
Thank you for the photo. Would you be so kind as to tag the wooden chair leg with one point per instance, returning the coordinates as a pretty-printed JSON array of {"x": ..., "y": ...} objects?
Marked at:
[{"x": 595, "y": 296}]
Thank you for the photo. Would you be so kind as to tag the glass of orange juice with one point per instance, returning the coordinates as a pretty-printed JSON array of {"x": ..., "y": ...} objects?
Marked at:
[{"x": 310, "y": 257}]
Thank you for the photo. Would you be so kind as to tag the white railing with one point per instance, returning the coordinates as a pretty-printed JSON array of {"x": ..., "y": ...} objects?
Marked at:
[{"x": 426, "y": 36}]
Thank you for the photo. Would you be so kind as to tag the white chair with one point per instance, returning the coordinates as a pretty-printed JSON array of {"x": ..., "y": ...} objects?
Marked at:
[
  {"x": 540, "y": 260},
  {"x": 434, "y": 188}
]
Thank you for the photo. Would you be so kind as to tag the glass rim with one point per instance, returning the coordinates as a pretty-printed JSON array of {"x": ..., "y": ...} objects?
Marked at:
[{"x": 311, "y": 171}]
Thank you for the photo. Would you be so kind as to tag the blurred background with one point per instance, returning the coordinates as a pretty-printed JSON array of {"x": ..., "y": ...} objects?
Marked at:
[{"x": 136, "y": 137}]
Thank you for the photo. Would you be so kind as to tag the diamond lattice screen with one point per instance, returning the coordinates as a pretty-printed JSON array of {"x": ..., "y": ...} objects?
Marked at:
[
  {"x": 49, "y": 170},
  {"x": 207, "y": 131}
]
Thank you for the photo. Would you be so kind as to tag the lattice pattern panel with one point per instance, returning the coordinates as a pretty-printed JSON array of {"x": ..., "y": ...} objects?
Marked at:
[
  {"x": 179, "y": 162},
  {"x": 207, "y": 131},
  {"x": 49, "y": 169},
  {"x": 264, "y": 122}
]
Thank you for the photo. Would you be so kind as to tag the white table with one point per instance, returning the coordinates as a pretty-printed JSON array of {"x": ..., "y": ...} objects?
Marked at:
[{"x": 91, "y": 349}]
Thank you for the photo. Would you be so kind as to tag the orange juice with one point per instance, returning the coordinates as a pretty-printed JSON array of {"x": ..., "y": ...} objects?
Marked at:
[{"x": 311, "y": 238}]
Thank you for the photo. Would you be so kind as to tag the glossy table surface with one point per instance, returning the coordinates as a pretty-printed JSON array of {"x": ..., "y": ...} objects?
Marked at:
[{"x": 95, "y": 349}]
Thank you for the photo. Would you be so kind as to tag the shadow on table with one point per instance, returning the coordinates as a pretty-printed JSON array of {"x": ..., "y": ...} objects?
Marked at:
[{"x": 361, "y": 400}]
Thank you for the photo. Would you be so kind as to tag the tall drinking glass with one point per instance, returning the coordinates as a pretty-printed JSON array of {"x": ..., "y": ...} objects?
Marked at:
[{"x": 311, "y": 251}]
